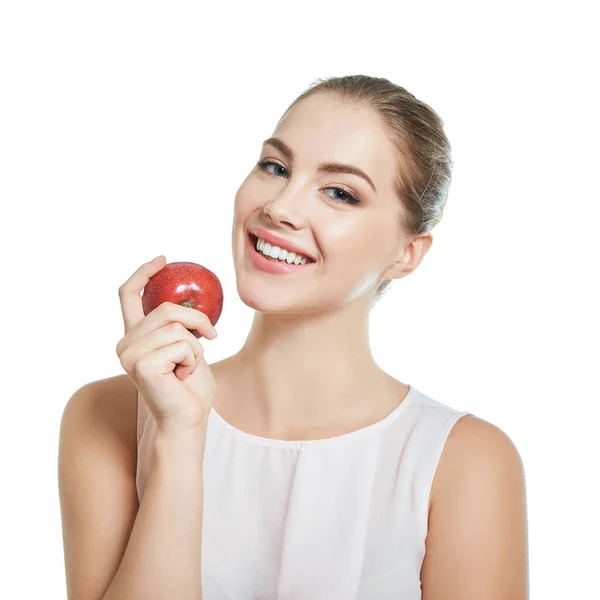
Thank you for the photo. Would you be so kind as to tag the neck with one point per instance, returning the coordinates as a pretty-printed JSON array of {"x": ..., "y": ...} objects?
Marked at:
[{"x": 304, "y": 372}]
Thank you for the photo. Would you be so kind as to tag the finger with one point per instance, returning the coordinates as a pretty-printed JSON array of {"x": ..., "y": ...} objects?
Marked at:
[
  {"x": 160, "y": 338},
  {"x": 168, "y": 312},
  {"x": 182, "y": 372},
  {"x": 129, "y": 292},
  {"x": 170, "y": 334},
  {"x": 165, "y": 359}
]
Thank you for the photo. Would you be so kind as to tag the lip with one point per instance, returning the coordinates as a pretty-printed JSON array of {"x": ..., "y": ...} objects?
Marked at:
[
  {"x": 282, "y": 243},
  {"x": 270, "y": 266}
]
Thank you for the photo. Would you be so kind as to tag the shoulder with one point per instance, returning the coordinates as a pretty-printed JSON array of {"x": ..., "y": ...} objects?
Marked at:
[
  {"x": 109, "y": 404},
  {"x": 97, "y": 461},
  {"x": 475, "y": 445},
  {"x": 475, "y": 451},
  {"x": 118, "y": 392},
  {"x": 477, "y": 536}
]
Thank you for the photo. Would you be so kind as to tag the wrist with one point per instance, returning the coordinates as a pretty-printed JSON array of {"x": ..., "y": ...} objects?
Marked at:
[
  {"x": 183, "y": 425},
  {"x": 182, "y": 431}
]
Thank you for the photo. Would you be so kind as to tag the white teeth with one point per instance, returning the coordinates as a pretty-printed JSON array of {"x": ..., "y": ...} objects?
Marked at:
[{"x": 280, "y": 253}]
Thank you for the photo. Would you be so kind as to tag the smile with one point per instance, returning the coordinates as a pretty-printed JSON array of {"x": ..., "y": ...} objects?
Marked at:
[{"x": 285, "y": 262}]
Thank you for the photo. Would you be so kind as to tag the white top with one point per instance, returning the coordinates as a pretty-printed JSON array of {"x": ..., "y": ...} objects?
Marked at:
[{"x": 333, "y": 519}]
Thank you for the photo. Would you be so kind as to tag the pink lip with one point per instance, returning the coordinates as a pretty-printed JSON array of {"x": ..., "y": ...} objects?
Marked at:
[
  {"x": 277, "y": 241},
  {"x": 271, "y": 266}
]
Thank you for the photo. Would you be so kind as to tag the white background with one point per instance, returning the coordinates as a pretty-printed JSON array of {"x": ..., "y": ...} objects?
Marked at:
[{"x": 126, "y": 129}]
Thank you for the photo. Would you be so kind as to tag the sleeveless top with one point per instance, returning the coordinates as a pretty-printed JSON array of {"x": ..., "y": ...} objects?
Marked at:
[{"x": 334, "y": 519}]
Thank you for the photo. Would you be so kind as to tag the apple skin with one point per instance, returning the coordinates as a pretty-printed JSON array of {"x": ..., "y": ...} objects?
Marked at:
[{"x": 188, "y": 284}]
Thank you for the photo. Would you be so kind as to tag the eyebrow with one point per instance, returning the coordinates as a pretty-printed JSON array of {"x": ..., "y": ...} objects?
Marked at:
[{"x": 324, "y": 167}]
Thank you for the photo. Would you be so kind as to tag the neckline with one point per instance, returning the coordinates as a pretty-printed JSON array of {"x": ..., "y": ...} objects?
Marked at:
[{"x": 344, "y": 437}]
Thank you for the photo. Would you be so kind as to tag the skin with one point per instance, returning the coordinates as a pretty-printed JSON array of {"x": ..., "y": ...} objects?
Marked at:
[
  {"x": 310, "y": 329},
  {"x": 306, "y": 370}
]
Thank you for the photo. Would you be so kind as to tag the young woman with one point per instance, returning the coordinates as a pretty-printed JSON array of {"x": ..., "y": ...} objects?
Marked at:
[{"x": 296, "y": 468}]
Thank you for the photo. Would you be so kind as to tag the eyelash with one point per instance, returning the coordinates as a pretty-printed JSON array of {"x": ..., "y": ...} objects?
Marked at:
[{"x": 262, "y": 164}]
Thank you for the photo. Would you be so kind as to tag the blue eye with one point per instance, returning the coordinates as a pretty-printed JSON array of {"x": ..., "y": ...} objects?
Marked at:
[{"x": 347, "y": 197}]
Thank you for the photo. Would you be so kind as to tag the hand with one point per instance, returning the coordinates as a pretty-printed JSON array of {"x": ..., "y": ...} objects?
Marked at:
[{"x": 164, "y": 360}]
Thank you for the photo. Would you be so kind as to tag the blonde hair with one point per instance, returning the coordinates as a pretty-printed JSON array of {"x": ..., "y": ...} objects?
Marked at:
[{"x": 424, "y": 167}]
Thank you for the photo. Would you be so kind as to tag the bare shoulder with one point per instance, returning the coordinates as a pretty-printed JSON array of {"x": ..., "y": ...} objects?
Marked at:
[
  {"x": 474, "y": 448},
  {"x": 477, "y": 535},
  {"x": 474, "y": 443},
  {"x": 97, "y": 462},
  {"x": 108, "y": 408},
  {"x": 109, "y": 404}
]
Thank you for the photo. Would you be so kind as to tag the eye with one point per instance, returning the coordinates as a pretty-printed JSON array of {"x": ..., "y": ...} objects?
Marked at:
[
  {"x": 266, "y": 163},
  {"x": 346, "y": 196}
]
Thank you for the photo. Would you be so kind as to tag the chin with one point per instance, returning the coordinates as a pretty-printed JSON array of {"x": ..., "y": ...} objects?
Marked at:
[{"x": 256, "y": 296}]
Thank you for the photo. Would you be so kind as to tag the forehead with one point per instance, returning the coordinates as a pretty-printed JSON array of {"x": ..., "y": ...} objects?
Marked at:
[{"x": 325, "y": 128}]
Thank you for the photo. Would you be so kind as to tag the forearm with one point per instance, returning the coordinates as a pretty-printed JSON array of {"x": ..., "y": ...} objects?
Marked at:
[{"x": 162, "y": 560}]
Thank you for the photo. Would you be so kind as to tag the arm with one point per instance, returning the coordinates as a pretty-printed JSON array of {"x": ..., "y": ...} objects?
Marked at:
[
  {"x": 115, "y": 550},
  {"x": 476, "y": 547}
]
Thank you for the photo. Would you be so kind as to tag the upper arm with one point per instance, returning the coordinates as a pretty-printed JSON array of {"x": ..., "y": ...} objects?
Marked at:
[
  {"x": 96, "y": 477},
  {"x": 476, "y": 547}
]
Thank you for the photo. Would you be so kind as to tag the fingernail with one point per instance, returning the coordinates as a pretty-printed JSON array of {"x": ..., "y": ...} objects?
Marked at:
[
  {"x": 157, "y": 258},
  {"x": 214, "y": 332}
]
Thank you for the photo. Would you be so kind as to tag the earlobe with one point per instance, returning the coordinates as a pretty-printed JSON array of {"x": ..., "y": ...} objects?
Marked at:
[
  {"x": 402, "y": 266},
  {"x": 409, "y": 258},
  {"x": 396, "y": 271}
]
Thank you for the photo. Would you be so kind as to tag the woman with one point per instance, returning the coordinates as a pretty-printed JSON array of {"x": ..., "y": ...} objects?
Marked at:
[{"x": 296, "y": 468}]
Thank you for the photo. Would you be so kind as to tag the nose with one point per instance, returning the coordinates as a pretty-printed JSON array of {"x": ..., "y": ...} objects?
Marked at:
[{"x": 289, "y": 206}]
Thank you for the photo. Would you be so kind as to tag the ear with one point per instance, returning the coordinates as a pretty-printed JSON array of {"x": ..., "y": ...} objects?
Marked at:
[{"x": 409, "y": 257}]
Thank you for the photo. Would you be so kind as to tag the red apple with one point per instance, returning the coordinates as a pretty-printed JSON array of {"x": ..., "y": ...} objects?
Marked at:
[{"x": 188, "y": 284}]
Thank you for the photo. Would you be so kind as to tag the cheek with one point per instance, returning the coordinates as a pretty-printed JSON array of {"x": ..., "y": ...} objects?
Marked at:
[
  {"x": 360, "y": 251},
  {"x": 247, "y": 198},
  {"x": 351, "y": 243}
]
